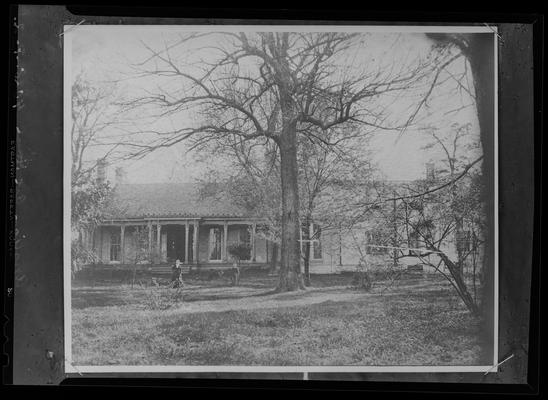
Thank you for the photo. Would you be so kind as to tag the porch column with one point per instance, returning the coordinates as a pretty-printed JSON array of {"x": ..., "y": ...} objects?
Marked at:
[
  {"x": 150, "y": 240},
  {"x": 122, "y": 244},
  {"x": 195, "y": 244},
  {"x": 253, "y": 230},
  {"x": 100, "y": 249},
  {"x": 186, "y": 242},
  {"x": 225, "y": 241},
  {"x": 158, "y": 243}
]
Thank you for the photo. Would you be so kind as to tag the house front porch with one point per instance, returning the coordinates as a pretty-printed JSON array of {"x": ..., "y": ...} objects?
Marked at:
[{"x": 197, "y": 243}]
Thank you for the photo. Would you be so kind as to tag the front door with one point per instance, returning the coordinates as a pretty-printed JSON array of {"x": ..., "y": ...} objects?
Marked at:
[{"x": 175, "y": 243}]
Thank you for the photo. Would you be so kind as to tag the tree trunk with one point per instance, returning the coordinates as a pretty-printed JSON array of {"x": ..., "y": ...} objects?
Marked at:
[
  {"x": 460, "y": 239},
  {"x": 395, "y": 232},
  {"x": 133, "y": 275},
  {"x": 306, "y": 258},
  {"x": 482, "y": 66},
  {"x": 274, "y": 259},
  {"x": 290, "y": 268},
  {"x": 461, "y": 285}
]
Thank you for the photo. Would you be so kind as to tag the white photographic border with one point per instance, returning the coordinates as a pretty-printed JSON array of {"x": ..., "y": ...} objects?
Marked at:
[{"x": 70, "y": 368}]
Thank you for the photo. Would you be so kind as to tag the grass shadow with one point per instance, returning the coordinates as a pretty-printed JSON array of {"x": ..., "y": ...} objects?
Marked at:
[{"x": 99, "y": 298}]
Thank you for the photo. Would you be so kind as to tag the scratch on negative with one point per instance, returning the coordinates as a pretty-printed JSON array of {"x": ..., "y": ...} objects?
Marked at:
[
  {"x": 497, "y": 365},
  {"x": 494, "y": 31},
  {"x": 72, "y": 27},
  {"x": 76, "y": 369}
]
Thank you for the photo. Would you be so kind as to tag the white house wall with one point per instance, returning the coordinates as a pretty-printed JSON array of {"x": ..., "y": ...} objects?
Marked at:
[{"x": 334, "y": 249}]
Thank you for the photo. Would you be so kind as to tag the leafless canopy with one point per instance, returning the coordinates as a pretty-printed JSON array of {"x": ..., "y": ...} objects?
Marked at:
[{"x": 239, "y": 87}]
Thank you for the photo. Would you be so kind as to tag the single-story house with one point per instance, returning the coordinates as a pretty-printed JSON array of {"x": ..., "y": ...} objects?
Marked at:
[
  {"x": 159, "y": 223},
  {"x": 175, "y": 223},
  {"x": 156, "y": 224}
]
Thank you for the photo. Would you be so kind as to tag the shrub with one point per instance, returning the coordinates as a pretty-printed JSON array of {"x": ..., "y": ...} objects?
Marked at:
[
  {"x": 239, "y": 251},
  {"x": 361, "y": 279},
  {"x": 162, "y": 298},
  {"x": 81, "y": 256}
]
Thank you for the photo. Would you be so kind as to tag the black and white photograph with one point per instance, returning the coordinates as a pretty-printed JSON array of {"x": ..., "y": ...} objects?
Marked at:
[{"x": 280, "y": 198}]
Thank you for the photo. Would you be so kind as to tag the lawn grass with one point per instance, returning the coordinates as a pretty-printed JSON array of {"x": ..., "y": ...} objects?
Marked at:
[{"x": 414, "y": 322}]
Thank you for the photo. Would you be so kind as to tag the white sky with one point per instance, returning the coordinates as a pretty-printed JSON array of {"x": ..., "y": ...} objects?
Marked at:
[{"x": 103, "y": 54}]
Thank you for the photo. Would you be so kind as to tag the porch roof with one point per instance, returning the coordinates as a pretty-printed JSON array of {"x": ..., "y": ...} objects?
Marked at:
[{"x": 169, "y": 200}]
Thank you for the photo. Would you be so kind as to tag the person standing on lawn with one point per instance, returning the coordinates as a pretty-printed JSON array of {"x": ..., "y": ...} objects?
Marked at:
[{"x": 176, "y": 274}]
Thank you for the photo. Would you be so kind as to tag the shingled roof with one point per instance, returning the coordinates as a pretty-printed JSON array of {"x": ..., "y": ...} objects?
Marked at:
[{"x": 163, "y": 200}]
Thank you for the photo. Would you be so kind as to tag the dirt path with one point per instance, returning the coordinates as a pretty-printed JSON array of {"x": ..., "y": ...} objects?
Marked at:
[
  {"x": 197, "y": 298},
  {"x": 300, "y": 298}
]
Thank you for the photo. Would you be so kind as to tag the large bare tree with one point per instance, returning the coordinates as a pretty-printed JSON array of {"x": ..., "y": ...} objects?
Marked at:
[
  {"x": 93, "y": 116},
  {"x": 253, "y": 183},
  {"x": 277, "y": 86},
  {"x": 479, "y": 52},
  {"x": 90, "y": 114}
]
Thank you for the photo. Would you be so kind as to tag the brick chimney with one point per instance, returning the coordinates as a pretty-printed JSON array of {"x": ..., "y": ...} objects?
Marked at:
[
  {"x": 120, "y": 176},
  {"x": 430, "y": 171},
  {"x": 101, "y": 171}
]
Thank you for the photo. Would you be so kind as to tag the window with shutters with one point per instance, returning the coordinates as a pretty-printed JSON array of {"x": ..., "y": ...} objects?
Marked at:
[
  {"x": 464, "y": 241},
  {"x": 215, "y": 244},
  {"x": 115, "y": 246},
  {"x": 245, "y": 238},
  {"x": 313, "y": 234}
]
